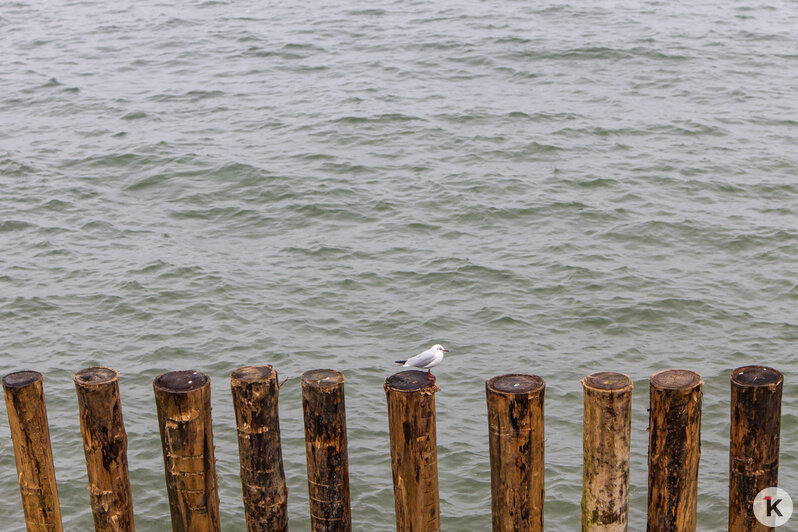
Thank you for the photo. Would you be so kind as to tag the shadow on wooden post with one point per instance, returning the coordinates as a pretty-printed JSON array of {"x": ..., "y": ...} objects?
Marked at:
[
  {"x": 30, "y": 434},
  {"x": 105, "y": 447},
  {"x": 326, "y": 450},
  {"x": 515, "y": 423},
  {"x": 414, "y": 453},
  {"x": 255, "y": 391},
  {"x": 674, "y": 449},
  {"x": 183, "y": 400},
  {"x": 606, "y": 434},
  {"x": 754, "y": 449}
]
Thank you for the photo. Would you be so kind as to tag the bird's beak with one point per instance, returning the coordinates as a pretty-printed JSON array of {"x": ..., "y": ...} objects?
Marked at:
[{"x": 445, "y": 350}]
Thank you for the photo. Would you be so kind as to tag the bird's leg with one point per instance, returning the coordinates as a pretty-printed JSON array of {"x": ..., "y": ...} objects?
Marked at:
[{"x": 429, "y": 374}]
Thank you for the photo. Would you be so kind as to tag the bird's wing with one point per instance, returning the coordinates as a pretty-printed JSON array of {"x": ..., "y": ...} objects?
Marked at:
[{"x": 421, "y": 359}]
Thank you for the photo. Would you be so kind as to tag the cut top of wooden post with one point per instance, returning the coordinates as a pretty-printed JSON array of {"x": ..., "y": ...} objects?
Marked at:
[
  {"x": 516, "y": 383},
  {"x": 322, "y": 378},
  {"x": 250, "y": 374},
  {"x": 20, "y": 379},
  {"x": 97, "y": 376},
  {"x": 410, "y": 381},
  {"x": 676, "y": 379},
  {"x": 755, "y": 376},
  {"x": 180, "y": 381},
  {"x": 607, "y": 381}
]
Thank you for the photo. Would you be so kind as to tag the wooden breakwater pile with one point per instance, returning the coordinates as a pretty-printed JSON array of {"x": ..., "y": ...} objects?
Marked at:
[{"x": 516, "y": 435}]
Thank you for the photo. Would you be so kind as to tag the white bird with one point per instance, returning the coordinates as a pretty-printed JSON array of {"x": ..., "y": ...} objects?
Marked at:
[{"x": 425, "y": 360}]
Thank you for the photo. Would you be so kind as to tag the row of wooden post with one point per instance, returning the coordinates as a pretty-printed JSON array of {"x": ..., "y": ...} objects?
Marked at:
[{"x": 516, "y": 436}]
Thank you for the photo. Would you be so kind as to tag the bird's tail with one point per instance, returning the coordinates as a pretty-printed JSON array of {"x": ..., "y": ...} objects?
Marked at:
[{"x": 401, "y": 361}]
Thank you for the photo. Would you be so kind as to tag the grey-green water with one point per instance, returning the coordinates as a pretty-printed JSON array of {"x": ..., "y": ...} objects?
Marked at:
[{"x": 543, "y": 187}]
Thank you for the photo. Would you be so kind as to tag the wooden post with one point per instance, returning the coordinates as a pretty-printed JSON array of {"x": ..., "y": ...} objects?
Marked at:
[
  {"x": 183, "y": 400},
  {"x": 754, "y": 449},
  {"x": 674, "y": 448},
  {"x": 255, "y": 390},
  {"x": 30, "y": 434},
  {"x": 515, "y": 423},
  {"x": 105, "y": 447},
  {"x": 326, "y": 450},
  {"x": 606, "y": 436},
  {"x": 414, "y": 453}
]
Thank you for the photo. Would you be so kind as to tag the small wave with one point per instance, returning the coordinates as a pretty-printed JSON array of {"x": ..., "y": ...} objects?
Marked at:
[
  {"x": 57, "y": 205},
  {"x": 197, "y": 95},
  {"x": 100, "y": 226},
  {"x": 598, "y": 131},
  {"x": 152, "y": 267},
  {"x": 128, "y": 161},
  {"x": 597, "y": 182},
  {"x": 190, "y": 96},
  {"x": 523, "y": 153},
  {"x": 175, "y": 22},
  {"x": 8, "y": 226},
  {"x": 328, "y": 252},
  {"x": 347, "y": 168},
  {"x": 373, "y": 12},
  {"x": 326, "y": 212},
  {"x": 388, "y": 117},
  {"x": 147, "y": 182},
  {"x": 12, "y": 168},
  {"x": 135, "y": 115},
  {"x": 314, "y": 156},
  {"x": 30, "y": 305},
  {"x": 303, "y": 46},
  {"x": 218, "y": 214},
  {"x": 594, "y": 53}
]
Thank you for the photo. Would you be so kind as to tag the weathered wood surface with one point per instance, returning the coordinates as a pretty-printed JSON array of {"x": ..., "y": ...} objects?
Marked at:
[
  {"x": 105, "y": 447},
  {"x": 674, "y": 450},
  {"x": 414, "y": 453},
  {"x": 606, "y": 436},
  {"x": 30, "y": 435},
  {"x": 515, "y": 433},
  {"x": 326, "y": 450},
  {"x": 183, "y": 400},
  {"x": 754, "y": 449},
  {"x": 255, "y": 392}
]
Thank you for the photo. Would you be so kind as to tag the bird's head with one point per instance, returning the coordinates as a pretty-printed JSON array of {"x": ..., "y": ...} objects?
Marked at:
[{"x": 439, "y": 347}]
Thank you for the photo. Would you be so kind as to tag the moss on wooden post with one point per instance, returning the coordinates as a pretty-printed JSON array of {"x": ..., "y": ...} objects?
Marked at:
[
  {"x": 105, "y": 447},
  {"x": 606, "y": 438},
  {"x": 30, "y": 435}
]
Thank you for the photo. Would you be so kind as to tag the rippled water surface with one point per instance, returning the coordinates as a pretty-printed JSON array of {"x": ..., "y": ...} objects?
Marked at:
[{"x": 542, "y": 187}]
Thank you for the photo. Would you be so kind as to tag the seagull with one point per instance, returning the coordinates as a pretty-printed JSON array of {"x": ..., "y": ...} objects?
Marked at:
[{"x": 425, "y": 360}]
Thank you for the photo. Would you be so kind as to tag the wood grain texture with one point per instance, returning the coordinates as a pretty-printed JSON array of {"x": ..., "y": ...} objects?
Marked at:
[
  {"x": 674, "y": 450},
  {"x": 105, "y": 447},
  {"x": 183, "y": 400},
  {"x": 30, "y": 435},
  {"x": 754, "y": 442},
  {"x": 515, "y": 424},
  {"x": 606, "y": 436},
  {"x": 326, "y": 450},
  {"x": 255, "y": 393},
  {"x": 414, "y": 453}
]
